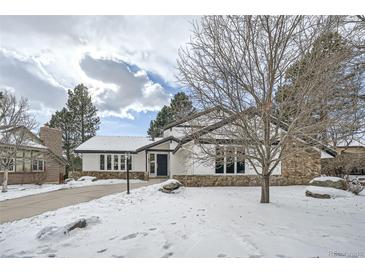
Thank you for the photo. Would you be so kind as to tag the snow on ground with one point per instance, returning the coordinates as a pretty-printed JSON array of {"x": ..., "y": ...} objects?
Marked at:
[
  {"x": 196, "y": 222},
  {"x": 16, "y": 191}
]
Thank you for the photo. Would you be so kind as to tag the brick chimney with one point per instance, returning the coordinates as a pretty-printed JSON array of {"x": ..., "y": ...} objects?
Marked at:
[{"x": 52, "y": 138}]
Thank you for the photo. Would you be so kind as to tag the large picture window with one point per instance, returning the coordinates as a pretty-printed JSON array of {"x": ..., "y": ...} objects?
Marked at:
[
  {"x": 229, "y": 160},
  {"x": 115, "y": 162}
]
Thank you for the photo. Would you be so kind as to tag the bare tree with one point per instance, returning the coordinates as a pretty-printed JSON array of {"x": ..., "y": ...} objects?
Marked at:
[
  {"x": 14, "y": 118},
  {"x": 239, "y": 63}
]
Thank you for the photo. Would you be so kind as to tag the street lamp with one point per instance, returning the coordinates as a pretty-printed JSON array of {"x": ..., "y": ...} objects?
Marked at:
[{"x": 128, "y": 159}]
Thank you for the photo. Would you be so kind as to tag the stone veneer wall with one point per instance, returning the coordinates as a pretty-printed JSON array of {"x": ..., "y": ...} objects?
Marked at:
[
  {"x": 111, "y": 175},
  {"x": 296, "y": 169}
]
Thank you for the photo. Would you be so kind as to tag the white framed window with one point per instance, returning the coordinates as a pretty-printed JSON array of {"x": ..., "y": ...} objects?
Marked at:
[
  {"x": 123, "y": 162},
  {"x": 230, "y": 160},
  {"x": 114, "y": 162},
  {"x": 102, "y": 161},
  {"x": 152, "y": 159},
  {"x": 109, "y": 162},
  {"x": 37, "y": 165}
]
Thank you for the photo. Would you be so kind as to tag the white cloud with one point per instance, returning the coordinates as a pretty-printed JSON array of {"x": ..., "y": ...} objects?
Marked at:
[{"x": 45, "y": 55}]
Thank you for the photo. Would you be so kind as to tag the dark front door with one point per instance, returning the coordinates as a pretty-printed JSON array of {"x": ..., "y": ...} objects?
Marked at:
[{"x": 161, "y": 164}]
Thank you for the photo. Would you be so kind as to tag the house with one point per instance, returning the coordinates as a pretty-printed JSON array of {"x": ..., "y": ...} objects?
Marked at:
[
  {"x": 38, "y": 159},
  {"x": 175, "y": 155},
  {"x": 350, "y": 159}
]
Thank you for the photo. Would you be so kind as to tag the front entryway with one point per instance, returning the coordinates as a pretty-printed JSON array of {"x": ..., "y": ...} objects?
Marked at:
[{"x": 161, "y": 164}]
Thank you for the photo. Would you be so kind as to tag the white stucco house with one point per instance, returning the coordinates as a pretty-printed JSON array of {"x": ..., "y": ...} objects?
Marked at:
[{"x": 174, "y": 156}]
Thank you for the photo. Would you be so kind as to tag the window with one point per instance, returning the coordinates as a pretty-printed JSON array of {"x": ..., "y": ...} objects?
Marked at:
[
  {"x": 152, "y": 163},
  {"x": 109, "y": 162},
  {"x": 102, "y": 162},
  {"x": 230, "y": 160},
  {"x": 116, "y": 162},
  {"x": 240, "y": 158},
  {"x": 40, "y": 165},
  {"x": 122, "y": 162},
  {"x": 219, "y": 160},
  {"x": 37, "y": 165}
]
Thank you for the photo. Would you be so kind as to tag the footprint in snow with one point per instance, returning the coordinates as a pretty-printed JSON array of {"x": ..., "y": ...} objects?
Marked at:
[
  {"x": 130, "y": 236},
  {"x": 153, "y": 228},
  {"x": 222, "y": 256},
  {"x": 254, "y": 256},
  {"x": 174, "y": 223},
  {"x": 102, "y": 250},
  {"x": 112, "y": 238},
  {"x": 280, "y": 256},
  {"x": 166, "y": 246},
  {"x": 51, "y": 255}
]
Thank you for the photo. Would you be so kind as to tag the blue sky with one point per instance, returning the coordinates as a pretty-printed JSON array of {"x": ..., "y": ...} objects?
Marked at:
[{"x": 127, "y": 62}]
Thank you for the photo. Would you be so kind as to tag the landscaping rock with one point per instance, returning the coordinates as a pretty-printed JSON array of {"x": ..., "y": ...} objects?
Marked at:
[
  {"x": 333, "y": 182},
  {"x": 170, "y": 186},
  {"x": 317, "y": 195}
]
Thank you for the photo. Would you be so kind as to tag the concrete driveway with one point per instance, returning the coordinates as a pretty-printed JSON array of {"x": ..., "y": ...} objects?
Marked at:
[{"x": 28, "y": 206}]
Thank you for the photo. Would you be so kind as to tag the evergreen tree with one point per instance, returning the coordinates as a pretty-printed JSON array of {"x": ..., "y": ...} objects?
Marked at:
[
  {"x": 83, "y": 112},
  {"x": 179, "y": 107},
  {"x": 78, "y": 122},
  {"x": 64, "y": 121}
]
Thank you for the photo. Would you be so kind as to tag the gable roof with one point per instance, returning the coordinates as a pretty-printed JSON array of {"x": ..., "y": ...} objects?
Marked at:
[
  {"x": 308, "y": 140},
  {"x": 192, "y": 116},
  {"x": 158, "y": 142},
  {"x": 114, "y": 144}
]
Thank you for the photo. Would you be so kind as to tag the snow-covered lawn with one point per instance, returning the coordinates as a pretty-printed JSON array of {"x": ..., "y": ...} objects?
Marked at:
[
  {"x": 195, "y": 222},
  {"x": 16, "y": 191}
]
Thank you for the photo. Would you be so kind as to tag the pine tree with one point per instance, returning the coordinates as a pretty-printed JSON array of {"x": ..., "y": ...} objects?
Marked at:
[
  {"x": 84, "y": 113},
  {"x": 179, "y": 107},
  {"x": 64, "y": 121},
  {"x": 78, "y": 121}
]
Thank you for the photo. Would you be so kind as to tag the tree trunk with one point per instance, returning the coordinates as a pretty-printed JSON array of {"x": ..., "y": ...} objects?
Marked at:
[
  {"x": 265, "y": 187},
  {"x": 5, "y": 181}
]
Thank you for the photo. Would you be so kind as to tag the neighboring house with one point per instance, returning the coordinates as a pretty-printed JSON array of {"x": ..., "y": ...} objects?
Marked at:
[
  {"x": 38, "y": 159},
  {"x": 176, "y": 154},
  {"x": 350, "y": 159}
]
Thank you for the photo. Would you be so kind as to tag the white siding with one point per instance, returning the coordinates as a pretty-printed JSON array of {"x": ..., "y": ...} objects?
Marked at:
[
  {"x": 90, "y": 162},
  {"x": 138, "y": 161}
]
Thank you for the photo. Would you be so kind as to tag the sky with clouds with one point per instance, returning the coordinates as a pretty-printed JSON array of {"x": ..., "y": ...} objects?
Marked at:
[{"x": 127, "y": 62}]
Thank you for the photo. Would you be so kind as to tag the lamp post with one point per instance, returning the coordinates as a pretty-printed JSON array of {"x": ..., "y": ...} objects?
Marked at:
[{"x": 128, "y": 159}]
